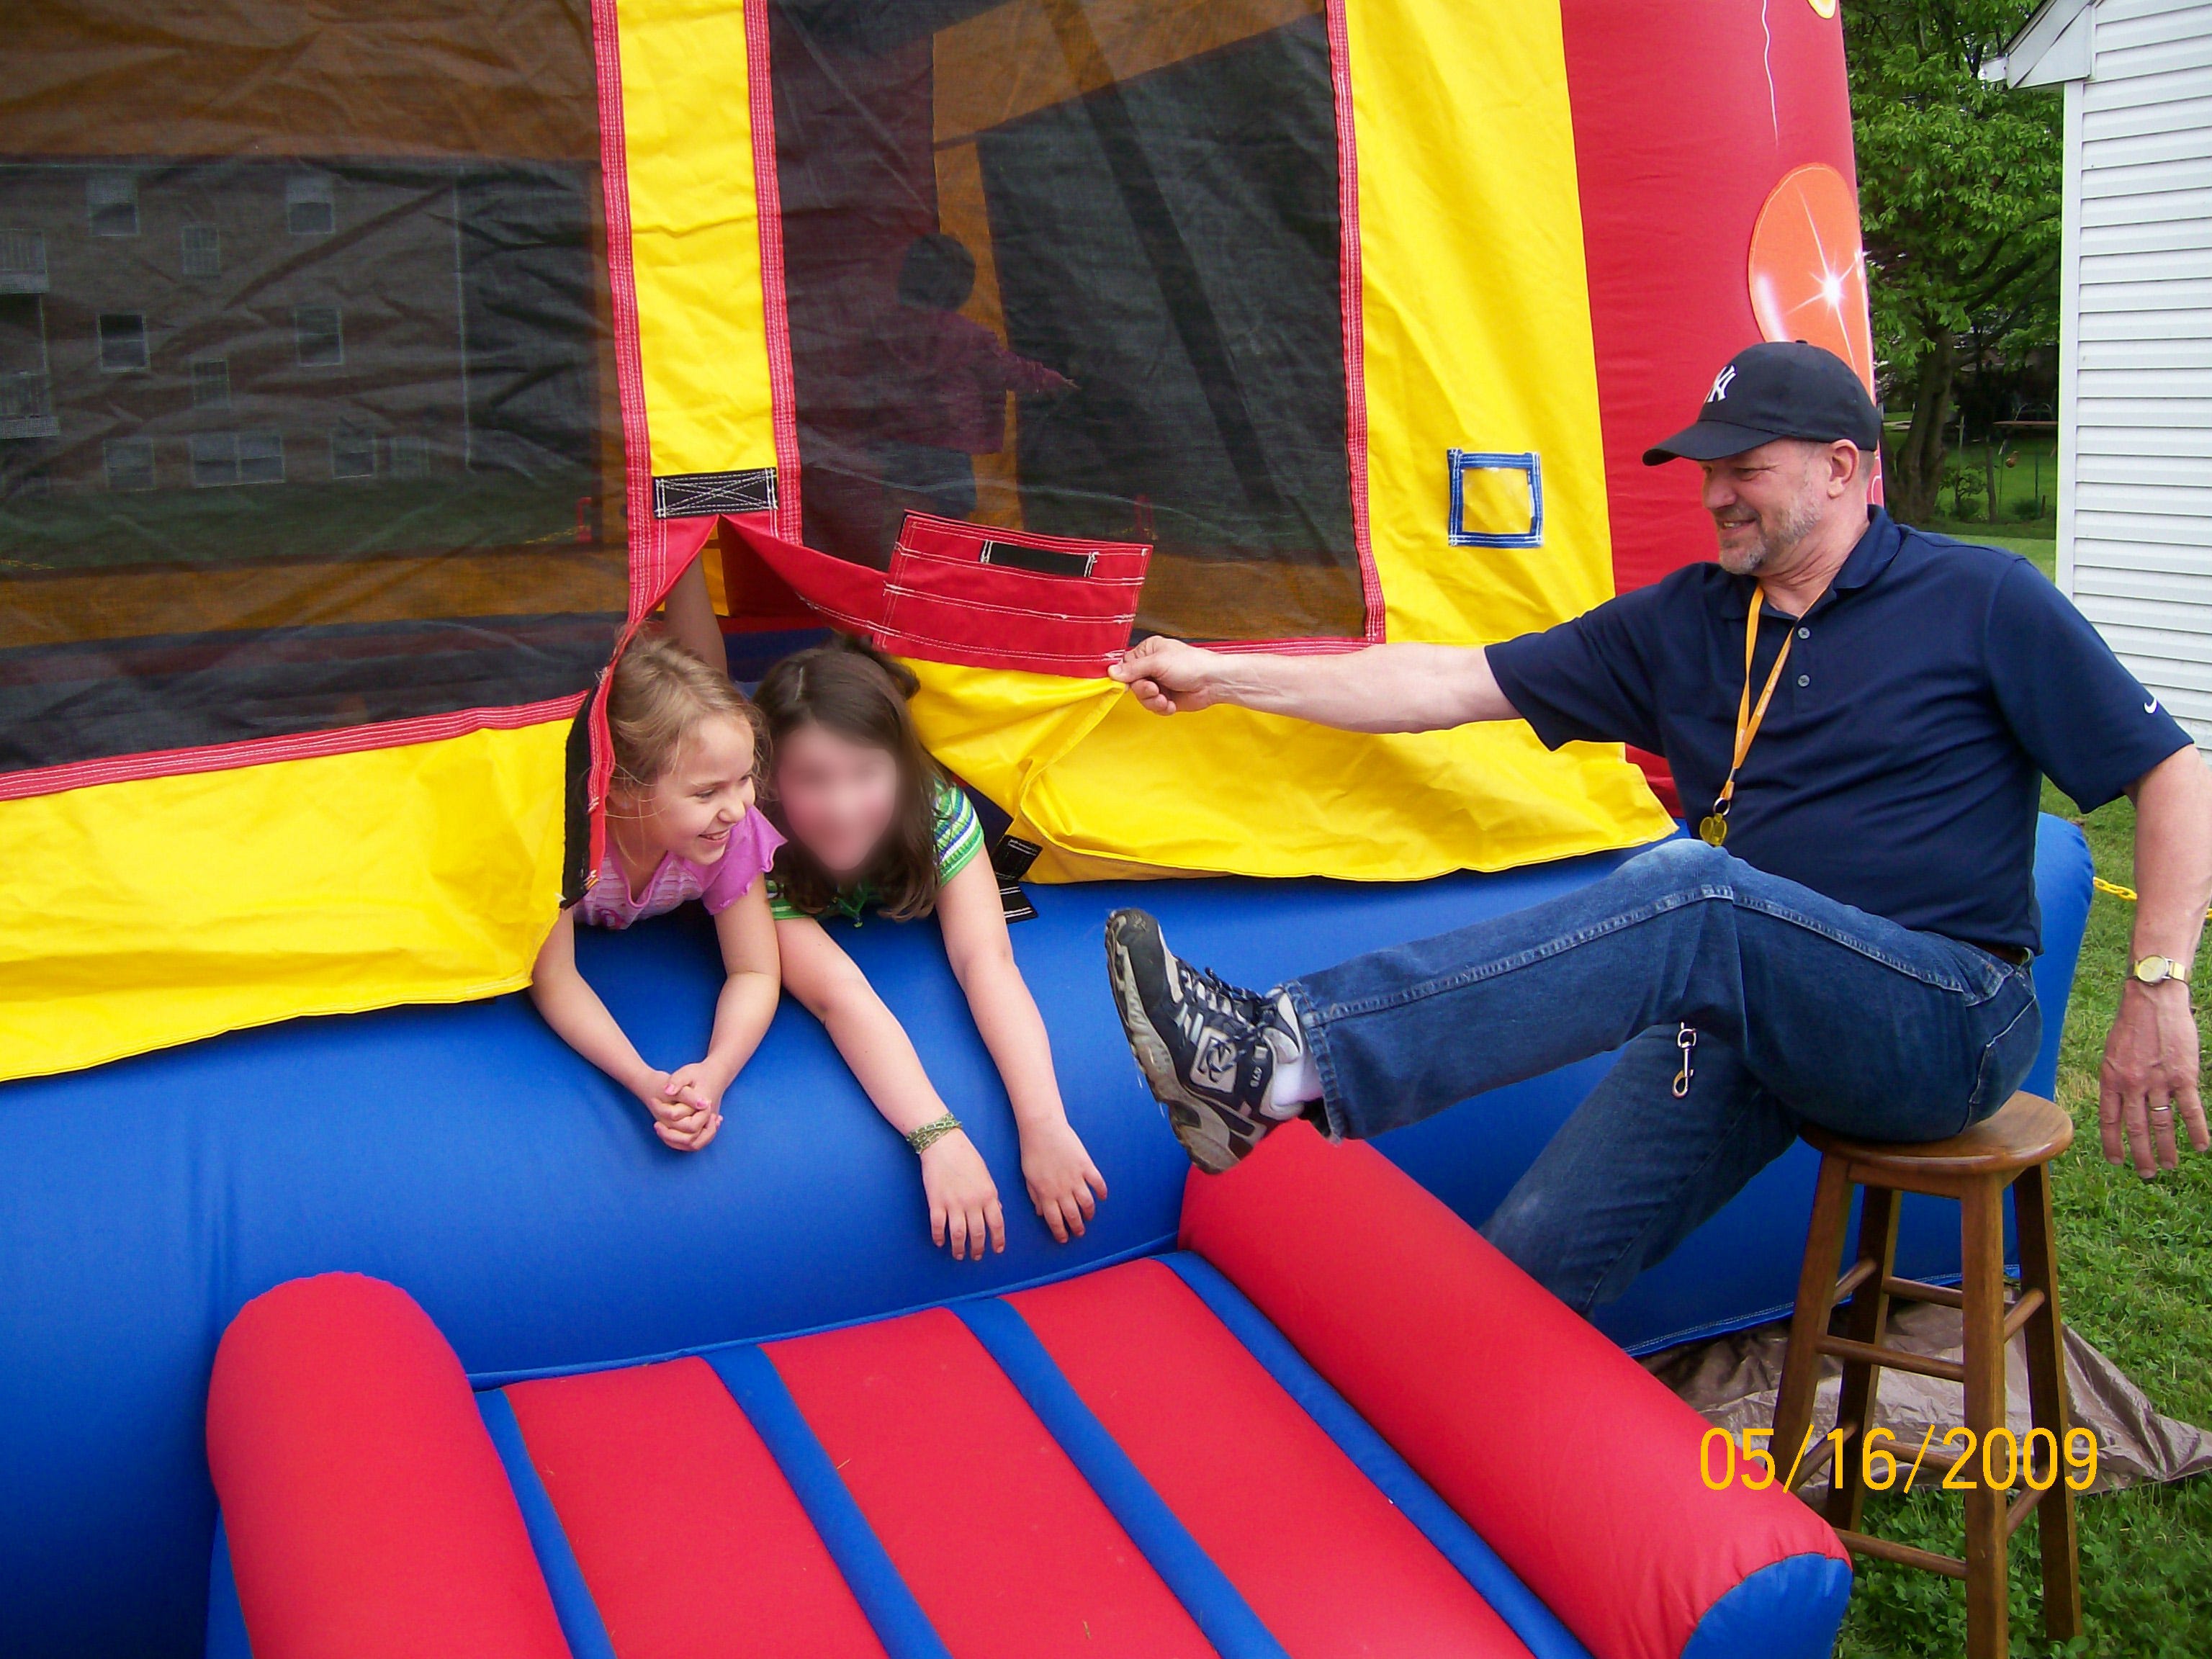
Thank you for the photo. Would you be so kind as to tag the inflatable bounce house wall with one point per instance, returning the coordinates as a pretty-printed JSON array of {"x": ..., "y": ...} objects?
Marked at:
[{"x": 368, "y": 371}]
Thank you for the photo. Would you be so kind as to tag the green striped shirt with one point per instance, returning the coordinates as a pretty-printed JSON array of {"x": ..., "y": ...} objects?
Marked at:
[{"x": 959, "y": 838}]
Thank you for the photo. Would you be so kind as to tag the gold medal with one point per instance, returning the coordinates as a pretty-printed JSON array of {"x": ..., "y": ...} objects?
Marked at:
[{"x": 1714, "y": 831}]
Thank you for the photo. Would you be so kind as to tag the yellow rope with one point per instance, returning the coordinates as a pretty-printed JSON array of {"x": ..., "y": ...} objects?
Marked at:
[{"x": 2127, "y": 893}]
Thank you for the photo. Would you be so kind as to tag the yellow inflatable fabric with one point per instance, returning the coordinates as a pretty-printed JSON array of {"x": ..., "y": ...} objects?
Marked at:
[
  {"x": 1463, "y": 126},
  {"x": 167, "y": 908}
]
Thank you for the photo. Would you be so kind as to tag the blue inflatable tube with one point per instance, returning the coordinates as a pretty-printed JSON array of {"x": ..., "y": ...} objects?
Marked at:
[{"x": 465, "y": 1154}]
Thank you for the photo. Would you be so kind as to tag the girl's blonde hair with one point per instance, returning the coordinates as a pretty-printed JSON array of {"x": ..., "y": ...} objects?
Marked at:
[{"x": 659, "y": 696}]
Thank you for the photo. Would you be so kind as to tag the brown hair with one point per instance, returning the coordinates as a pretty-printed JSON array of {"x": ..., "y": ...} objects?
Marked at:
[
  {"x": 660, "y": 693},
  {"x": 846, "y": 688}
]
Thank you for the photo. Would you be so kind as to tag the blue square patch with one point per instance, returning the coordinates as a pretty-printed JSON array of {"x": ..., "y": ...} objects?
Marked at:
[{"x": 1514, "y": 534}]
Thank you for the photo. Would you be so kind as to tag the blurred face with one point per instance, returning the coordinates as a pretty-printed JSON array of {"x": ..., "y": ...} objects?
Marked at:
[
  {"x": 700, "y": 798},
  {"x": 1764, "y": 501},
  {"x": 839, "y": 797}
]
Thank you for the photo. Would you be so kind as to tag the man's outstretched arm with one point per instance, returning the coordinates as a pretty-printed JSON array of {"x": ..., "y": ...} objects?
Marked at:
[
  {"x": 1383, "y": 688},
  {"x": 2148, "y": 1078}
]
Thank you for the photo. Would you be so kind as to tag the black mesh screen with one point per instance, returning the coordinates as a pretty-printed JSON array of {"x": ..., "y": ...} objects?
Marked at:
[
  {"x": 308, "y": 409},
  {"x": 1072, "y": 265}
]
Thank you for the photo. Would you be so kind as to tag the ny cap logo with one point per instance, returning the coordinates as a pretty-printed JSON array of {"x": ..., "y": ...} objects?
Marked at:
[{"x": 1721, "y": 384}]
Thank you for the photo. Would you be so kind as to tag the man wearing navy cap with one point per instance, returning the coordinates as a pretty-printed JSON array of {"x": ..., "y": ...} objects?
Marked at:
[{"x": 1858, "y": 716}]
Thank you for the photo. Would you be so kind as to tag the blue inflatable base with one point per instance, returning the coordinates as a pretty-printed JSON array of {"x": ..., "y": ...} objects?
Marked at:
[{"x": 464, "y": 1154}]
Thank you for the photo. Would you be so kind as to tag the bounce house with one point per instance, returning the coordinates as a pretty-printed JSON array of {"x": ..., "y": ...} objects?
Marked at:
[{"x": 369, "y": 372}]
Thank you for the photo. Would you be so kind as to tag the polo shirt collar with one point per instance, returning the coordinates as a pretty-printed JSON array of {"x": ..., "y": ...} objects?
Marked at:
[
  {"x": 1866, "y": 560},
  {"x": 1884, "y": 536}
]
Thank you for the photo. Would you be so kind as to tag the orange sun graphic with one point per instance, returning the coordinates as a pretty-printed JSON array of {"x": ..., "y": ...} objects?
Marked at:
[{"x": 1808, "y": 273}]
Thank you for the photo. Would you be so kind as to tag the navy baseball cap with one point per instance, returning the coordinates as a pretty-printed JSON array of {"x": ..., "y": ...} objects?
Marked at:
[{"x": 1777, "y": 388}]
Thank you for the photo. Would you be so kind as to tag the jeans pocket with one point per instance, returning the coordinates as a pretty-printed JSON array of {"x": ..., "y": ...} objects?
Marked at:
[
  {"x": 2007, "y": 1057},
  {"x": 1986, "y": 975}
]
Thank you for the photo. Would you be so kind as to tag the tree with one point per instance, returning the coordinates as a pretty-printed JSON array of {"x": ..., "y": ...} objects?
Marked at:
[{"x": 1959, "y": 184}]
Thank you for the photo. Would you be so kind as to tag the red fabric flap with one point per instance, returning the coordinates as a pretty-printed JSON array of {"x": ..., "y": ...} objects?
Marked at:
[
  {"x": 1092, "y": 599},
  {"x": 1010, "y": 599},
  {"x": 973, "y": 594},
  {"x": 850, "y": 595},
  {"x": 955, "y": 539}
]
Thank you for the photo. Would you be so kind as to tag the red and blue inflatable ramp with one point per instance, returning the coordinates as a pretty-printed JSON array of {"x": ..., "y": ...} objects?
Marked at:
[{"x": 1334, "y": 1422}]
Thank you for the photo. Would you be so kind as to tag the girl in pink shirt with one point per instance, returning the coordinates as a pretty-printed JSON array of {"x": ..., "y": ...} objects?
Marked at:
[{"x": 681, "y": 825}]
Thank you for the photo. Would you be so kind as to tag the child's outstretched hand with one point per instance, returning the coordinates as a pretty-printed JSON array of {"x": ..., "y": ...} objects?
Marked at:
[
  {"x": 964, "y": 1199},
  {"x": 1060, "y": 1177},
  {"x": 685, "y": 1115}
]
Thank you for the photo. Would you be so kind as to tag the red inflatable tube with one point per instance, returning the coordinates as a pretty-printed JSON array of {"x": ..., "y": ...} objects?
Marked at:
[
  {"x": 1579, "y": 1469},
  {"x": 369, "y": 1514}
]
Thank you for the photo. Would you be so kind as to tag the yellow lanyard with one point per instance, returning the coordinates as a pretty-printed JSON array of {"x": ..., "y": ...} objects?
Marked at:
[{"x": 1714, "y": 828}]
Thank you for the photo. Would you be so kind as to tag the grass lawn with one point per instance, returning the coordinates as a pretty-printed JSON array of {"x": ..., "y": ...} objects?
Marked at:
[
  {"x": 2135, "y": 1278},
  {"x": 2038, "y": 542},
  {"x": 2026, "y": 490}
]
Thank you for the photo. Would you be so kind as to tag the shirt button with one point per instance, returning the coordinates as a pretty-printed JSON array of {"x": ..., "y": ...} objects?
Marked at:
[
  {"x": 1804, "y": 679},
  {"x": 1804, "y": 633}
]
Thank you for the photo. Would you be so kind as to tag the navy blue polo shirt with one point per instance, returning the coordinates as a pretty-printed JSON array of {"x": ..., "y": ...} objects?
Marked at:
[{"x": 1897, "y": 769}]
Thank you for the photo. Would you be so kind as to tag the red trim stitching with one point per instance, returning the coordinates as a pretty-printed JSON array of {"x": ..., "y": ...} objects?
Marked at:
[
  {"x": 648, "y": 536},
  {"x": 775, "y": 314},
  {"x": 899, "y": 590},
  {"x": 886, "y": 639},
  {"x": 621, "y": 285},
  {"x": 1355, "y": 326},
  {"x": 1037, "y": 538},
  {"x": 951, "y": 563},
  {"x": 262, "y": 751}
]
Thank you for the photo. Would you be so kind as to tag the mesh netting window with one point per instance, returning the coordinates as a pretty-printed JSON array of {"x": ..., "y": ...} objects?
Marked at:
[
  {"x": 307, "y": 404},
  {"x": 1072, "y": 266}
]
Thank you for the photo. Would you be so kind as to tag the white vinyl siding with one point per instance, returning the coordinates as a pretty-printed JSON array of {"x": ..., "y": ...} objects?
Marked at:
[{"x": 2136, "y": 485}]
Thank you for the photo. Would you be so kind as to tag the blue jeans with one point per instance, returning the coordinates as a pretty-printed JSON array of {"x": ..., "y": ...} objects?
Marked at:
[{"x": 1804, "y": 1011}]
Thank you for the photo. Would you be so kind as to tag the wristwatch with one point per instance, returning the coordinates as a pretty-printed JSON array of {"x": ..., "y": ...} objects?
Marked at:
[{"x": 2156, "y": 971}]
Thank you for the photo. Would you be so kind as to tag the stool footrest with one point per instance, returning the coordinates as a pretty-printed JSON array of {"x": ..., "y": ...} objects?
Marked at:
[
  {"x": 1913, "y": 1290},
  {"x": 1819, "y": 1455},
  {"x": 1905, "y": 1555},
  {"x": 1895, "y": 1359},
  {"x": 2021, "y": 1507},
  {"x": 2022, "y": 1310},
  {"x": 1861, "y": 1270}
]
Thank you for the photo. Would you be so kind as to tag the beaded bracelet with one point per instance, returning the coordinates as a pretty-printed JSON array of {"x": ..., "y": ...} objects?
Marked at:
[{"x": 930, "y": 1133}]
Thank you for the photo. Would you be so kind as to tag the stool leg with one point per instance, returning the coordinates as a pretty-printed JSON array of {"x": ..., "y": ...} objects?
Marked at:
[
  {"x": 1808, "y": 1322},
  {"x": 2048, "y": 1404},
  {"x": 1866, "y": 1319},
  {"x": 1982, "y": 1292}
]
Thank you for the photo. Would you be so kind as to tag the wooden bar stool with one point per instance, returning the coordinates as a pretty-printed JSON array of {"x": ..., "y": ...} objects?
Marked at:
[{"x": 2011, "y": 1148}]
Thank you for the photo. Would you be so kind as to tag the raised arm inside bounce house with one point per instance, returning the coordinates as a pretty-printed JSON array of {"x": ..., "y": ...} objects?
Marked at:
[{"x": 370, "y": 373}]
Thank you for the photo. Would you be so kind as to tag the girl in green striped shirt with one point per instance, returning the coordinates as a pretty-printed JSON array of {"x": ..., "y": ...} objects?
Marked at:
[{"x": 871, "y": 823}]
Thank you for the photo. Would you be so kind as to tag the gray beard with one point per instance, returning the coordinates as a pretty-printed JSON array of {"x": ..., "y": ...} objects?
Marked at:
[{"x": 1778, "y": 541}]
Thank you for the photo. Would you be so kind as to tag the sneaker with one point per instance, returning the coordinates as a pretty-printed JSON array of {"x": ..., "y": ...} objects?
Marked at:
[{"x": 1208, "y": 1048}]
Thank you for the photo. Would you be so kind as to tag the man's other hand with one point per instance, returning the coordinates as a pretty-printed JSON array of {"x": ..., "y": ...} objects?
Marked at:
[
  {"x": 2148, "y": 1079},
  {"x": 1168, "y": 676}
]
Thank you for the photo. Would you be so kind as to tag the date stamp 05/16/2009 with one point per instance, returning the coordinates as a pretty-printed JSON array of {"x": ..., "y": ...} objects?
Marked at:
[{"x": 1967, "y": 1461}]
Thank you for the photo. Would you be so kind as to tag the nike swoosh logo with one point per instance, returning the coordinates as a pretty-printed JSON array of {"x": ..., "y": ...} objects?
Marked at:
[{"x": 2151, "y": 708}]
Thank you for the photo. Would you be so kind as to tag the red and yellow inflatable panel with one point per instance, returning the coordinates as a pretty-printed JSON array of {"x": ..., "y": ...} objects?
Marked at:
[{"x": 363, "y": 377}]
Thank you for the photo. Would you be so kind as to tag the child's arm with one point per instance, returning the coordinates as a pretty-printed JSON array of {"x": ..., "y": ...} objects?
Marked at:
[
  {"x": 574, "y": 1010},
  {"x": 750, "y": 986},
  {"x": 964, "y": 1200},
  {"x": 1060, "y": 1174},
  {"x": 689, "y": 612}
]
